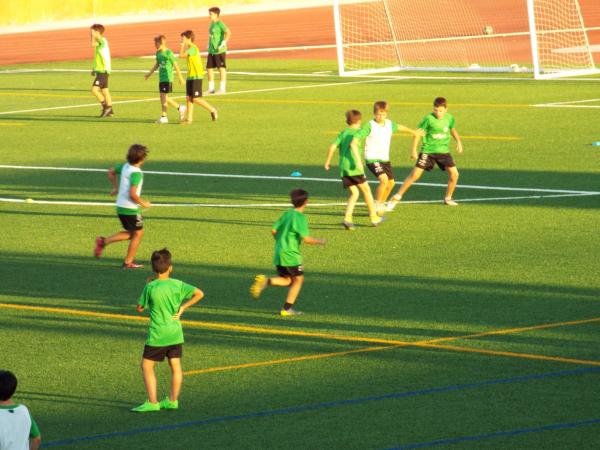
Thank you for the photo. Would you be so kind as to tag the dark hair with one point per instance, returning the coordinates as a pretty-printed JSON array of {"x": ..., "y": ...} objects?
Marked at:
[
  {"x": 381, "y": 105},
  {"x": 97, "y": 27},
  {"x": 161, "y": 260},
  {"x": 215, "y": 9},
  {"x": 298, "y": 197},
  {"x": 136, "y": 153},
  {"x": 189, "y": 34},
  {"x": 8, "y": 385},
  {"x": 440, "y": 101},
  {"x": 160, "y": 39},
  {"x": 353, "y": 116}
]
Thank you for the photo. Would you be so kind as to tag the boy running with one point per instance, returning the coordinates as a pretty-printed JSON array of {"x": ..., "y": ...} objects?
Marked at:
[
  {"x": 218, "y": 35},
  {"x": 18, "y": 430},
  {"x": 289, "y": 232},
  {"x": 438, "y": 127},
  {"x": 378, "y": 133},
  {"x": 165, "y": 62},
  {"x": 101, "y": 69},
  {"x": 164, "y": 296},
  {"x": 193, "y": 87},
  {"x": 352, "y": 170},
  {"x": 128, "y": 188}
]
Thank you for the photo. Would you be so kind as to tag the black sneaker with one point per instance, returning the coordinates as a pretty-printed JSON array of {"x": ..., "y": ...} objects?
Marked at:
[
  {"x": 107, "y": 112},
  {"x": 213, "y": 115}
]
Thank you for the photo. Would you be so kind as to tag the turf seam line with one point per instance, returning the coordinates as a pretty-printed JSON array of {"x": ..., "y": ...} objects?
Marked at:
[{"x": 325, "y": 405}]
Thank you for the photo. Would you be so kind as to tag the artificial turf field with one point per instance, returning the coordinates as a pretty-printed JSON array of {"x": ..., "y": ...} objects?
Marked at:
[{"x": 467, "y": 327}]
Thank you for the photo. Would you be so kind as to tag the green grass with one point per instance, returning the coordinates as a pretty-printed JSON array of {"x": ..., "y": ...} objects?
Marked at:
[{"x": 428, "y": 272}]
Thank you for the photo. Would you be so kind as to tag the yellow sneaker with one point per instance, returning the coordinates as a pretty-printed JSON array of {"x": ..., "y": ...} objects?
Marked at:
[{"x": 259, "y": 285}]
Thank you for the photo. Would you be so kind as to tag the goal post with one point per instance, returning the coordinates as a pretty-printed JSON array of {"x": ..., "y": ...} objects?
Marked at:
[{"x": 545, "y": 37}]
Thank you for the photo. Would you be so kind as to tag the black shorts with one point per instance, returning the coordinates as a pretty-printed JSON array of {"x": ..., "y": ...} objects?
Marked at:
[
  {"x": 216, "y": 61},
  {"x": 380, "y": 168},
  {"x": 159, "y": 353},
  {"x": 132, "y": 222},
  {"x": 101, "y": 80},
  {"x": 165, "y": 87},
  {"x": 193, "y": 88},
  {"x": 427, "y": 161},
  {"x": 290, "y": 271},
  {"x": 353, "y": 180}
]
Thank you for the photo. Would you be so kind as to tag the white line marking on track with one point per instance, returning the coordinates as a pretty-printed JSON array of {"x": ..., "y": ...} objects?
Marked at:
[{"x": 274, "y": 177}]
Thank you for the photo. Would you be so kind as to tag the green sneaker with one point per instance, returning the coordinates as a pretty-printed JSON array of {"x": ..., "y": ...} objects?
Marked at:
[
  {"x": 165, "y": 403},
  {"x": 147, "y": 406}
]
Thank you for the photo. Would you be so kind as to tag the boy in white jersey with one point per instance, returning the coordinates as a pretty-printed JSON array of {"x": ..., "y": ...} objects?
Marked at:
[
  {"x": 128, "y": 188},
  {"x": 102, "y": 66},
  {"x": 378, "y": 135},
  {"x": 18, "y": 430}
]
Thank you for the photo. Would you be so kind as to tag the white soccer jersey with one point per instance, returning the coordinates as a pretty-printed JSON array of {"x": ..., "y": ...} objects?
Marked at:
[
  {"x": 15, "y": 427},
  {"x": 377, "y": 143},
  {"x": 123, "y": 198}
]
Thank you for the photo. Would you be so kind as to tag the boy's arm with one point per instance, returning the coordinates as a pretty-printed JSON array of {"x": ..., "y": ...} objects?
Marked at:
[
  {"x": 313, "y": 241},
  {"x": 332, "y": 149},
  {"x": 112, "y": 176},
  {"x": 198, "y": 295},
  {"x": 34, "y": 443},
  {"x": 93, "y": 39},
  {"x": 413, "y": 149},
  {"x": 225, "y": 38},
  {"x": 179, "y": 75},
  {"x": 154, "y": 67},
  {"x": 183, "y": 50},
  {"x": 137, "y": 199},
  {"x": 417, "y": 132},
  {"x": 459, "y": 147},
  {"x": 357, "y": 158}
]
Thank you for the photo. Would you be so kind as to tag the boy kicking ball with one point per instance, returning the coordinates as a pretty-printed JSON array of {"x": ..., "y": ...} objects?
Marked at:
[
  {"x": 290, "y": 231},
  {"x": 165, "y": 62},
  {"x": 438, "y": 127},
  {"x": 165, "y": 297}
]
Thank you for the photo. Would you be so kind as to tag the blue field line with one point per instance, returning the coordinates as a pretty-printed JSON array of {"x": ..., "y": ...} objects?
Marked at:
[
  {"x": 479, "y": 437},
  {"x": 317, "y": 406}
]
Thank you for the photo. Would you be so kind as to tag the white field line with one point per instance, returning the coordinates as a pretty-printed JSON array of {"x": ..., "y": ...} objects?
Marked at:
[
  {"x": 274, "y": 177},
  {"x": 570, "y": 104},
  {"x": 251, "y": 91},
  {"x": 276, "y": 205}
]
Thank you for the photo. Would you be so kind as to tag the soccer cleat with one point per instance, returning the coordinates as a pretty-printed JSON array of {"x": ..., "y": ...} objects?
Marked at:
[
  {"x": 131, "y": 265},
  {"x": 259, "y": 285},
  {"x": 349, "y": 225},
  {"x": 392, "y": 203},
  {"x": 221, "y": 92},
  {"x": 213, "y": 115},
  {"x": 209, "y": 92},
  {"x": 182, "y": 110},
  {"x": 290, "y": 312},
  {"x": 99, "y": 246},
  {"x": 107, "y": 112},
  {"x": 163, "y": 119},
  {"x": 380, "y": 209},
  {"x": 185, "y": 122},
  {"x": 147, "y": 406},
  {"x": 377, "y": 220},
  {"x": 166, "y": 403},
  {"x": 450, "y": 202}
]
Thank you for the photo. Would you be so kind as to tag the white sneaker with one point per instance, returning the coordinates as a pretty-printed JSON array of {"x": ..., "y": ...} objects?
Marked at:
[
  {"x": 163, "y": 119},
  {"x": 392, "y": 203},
  {"x": 182, "y": 110},
  {"x": 450, "y": 202},
  {"x": 220, "y": 92}
]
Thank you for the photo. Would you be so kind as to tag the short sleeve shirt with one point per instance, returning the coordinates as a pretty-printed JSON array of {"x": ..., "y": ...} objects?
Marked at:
[
  {"x": 164, "y": 297},
  {"x": 195, "y": 69},
  {"x": 437, "y": 133},
  {"x": 166, "y": 60},
  {"x": 216, "y": 34},
  {"x": 128, "y": 177},
  {"x": 16, "y": 427},
  {"x": 102, "y": 62},
  {"x": 291, "y": 229},
  {"x": 348, "y": 164}
]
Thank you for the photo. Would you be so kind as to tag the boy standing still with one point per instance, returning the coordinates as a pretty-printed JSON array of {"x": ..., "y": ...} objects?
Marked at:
[
  {"x": 193, "y": 86},
  {"x": 218, "y": 36},
  {"x": 352, "y": 170},
  {"x": 102, "y": 66},
  {"x": 438, "y": 127},
  {"x": 164, "y": 296},
  {"x": 289, "y": 232},
  {"x": 165, "y": 62},
  {"x": 378, "y": 135},
  {"x": 128, "y": 188},
  {"x": 18, "y": 430}
]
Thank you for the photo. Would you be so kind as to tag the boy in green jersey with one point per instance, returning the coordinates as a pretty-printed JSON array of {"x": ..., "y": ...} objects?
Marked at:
[
  {"x": 165, "y": 62},
  {"x": 165, "y": 297},
  {"x": 438, "y": 127},
  {"x": 218, "y": 35},
  {"x": 127, "y": 180},
  {"x": 193, "y": 86},
  {"x": 289, "y": 232},
  {"x": 352, "y": 170},
  {"x": 18, "y": 430},
  {"x": 102, "y": 66}
]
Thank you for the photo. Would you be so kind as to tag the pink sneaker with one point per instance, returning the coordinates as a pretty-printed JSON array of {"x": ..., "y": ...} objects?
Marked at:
[{"x": 99, "y": 246}]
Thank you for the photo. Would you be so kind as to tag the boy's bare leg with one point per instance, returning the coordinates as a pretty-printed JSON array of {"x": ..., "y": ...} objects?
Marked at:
[
  {"x": 207, "y": 106},
  {"x": 211, "y": 78},
  {"x": 223, "y": 80},
  {"x": 190, "y": 111},
  {"x": 352, "y": 199},
  {"x": 164, "y": 103},
  {"x": 176, "y": 378},
  {"x": 97, "y": 92},
  {"x": 149, "y": 379},
  {"x": 295, "y": 287},
  {"x": 388, "y": 189},
  {"x": 120, "y": 236},
  {"x": 382, "y": 188},
  {"x": 366, "y": 191},
  {"x": 136, "y": 238},
  {"x": 452, "y": 181},
  {"x": 172, "y": 103},
  {"x": 107, "y": 97},
  {"x": 413, "y": 176},
  {"x": 280, "y": 281}
]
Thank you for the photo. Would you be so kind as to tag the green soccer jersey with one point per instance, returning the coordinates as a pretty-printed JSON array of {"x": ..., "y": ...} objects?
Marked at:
[
  {"x": 291, "y": 229},
  {"x": 164, "y": 297},
  {"x": 165, "y": 60},
  {"x": 102, "y": 57},
  {"x": 437, "y": 133},
  {"x": 348, "y": 164},
  {"x": 216, "y": 34},
  {"x": 195, "y": 69}
]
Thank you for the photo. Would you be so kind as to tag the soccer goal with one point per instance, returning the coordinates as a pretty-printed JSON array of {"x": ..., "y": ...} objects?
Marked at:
[{"x": 545, "y": 37}]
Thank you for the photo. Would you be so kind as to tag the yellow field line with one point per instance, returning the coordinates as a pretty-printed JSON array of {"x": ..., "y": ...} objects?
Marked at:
[
  {"x": 11, "y": 124},
  {"x": 486, "y": 138}
]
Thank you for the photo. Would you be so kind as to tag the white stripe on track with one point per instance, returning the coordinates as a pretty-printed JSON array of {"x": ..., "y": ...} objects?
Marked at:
[{"x": 274, "y": 177}]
